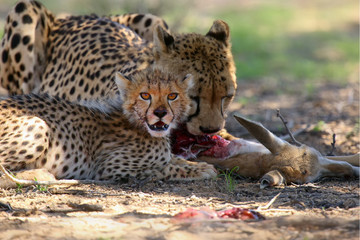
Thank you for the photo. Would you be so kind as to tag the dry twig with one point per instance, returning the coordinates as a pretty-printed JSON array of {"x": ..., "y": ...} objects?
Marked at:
[
  {"x": 278, "y": 114},
  {"x": 331, "y": 153},
  {"x": 297, "y": 132},
  {"x": 267, "y": 206}
]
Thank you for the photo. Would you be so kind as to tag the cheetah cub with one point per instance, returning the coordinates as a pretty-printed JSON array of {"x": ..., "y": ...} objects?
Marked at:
[{"x": 118, "y": 138}]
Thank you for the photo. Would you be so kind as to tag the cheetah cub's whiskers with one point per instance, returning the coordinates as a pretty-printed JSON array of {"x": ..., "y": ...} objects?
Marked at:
[{"x": 126, "y": 136}]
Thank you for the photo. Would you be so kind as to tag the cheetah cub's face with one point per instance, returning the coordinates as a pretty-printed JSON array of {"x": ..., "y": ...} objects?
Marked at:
[{"x": 154, "y": 100}]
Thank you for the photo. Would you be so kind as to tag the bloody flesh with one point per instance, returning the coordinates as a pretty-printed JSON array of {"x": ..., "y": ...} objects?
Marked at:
[{"x": 190, "y": 146}]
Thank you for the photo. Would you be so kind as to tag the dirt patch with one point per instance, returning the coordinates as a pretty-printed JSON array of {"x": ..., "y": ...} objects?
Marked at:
[{"x": 328, "y": 209}]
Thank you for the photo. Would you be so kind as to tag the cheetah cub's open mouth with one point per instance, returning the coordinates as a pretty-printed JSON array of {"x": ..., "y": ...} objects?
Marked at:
[{"x": 159, "y": 126}]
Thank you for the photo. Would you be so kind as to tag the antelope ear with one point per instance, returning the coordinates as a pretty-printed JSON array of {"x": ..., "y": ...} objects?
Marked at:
[
  {"x": 264, "y": 136},
  {"x": 163, "y": 40},
  {"x": 220, "y": 31}
]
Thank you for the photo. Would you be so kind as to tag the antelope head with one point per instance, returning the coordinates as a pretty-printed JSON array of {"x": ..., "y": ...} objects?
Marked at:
[{"x": 286, "y": 163}]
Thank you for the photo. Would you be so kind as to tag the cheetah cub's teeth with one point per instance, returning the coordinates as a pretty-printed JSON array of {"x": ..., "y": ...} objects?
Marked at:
[{"x": 159, "y": 126}]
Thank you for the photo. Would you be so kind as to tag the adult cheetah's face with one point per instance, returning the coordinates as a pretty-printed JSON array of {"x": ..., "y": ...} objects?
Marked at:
[
  {"x": 155, "y": 100},
  {"x": 208, "y": 58}
]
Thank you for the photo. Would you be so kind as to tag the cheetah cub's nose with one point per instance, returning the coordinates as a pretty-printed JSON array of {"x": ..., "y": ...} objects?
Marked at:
[{"x": 160, "y": 112}]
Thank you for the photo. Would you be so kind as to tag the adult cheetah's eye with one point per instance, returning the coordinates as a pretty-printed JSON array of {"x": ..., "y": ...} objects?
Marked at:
[
  {"x": 145, "y": 96},
  {"x": 172, "y": 96}
]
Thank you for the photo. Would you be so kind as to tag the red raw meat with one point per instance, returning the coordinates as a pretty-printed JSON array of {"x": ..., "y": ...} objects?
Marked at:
[
  {"x": 189, "y": 146},
  {"x": 240, "y": 213},
  {"x": 191, "y": 214},
  {"x": 194, "y": 214}
]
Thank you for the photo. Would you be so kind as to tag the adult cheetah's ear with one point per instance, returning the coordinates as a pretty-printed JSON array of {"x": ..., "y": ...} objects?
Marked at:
[
  {"x": 163, "y": 41},
  {"x": 220, "y": 31}
]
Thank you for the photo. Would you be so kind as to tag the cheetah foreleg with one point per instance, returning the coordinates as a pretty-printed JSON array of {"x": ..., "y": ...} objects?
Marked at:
[{"x": 181, "y": 169}]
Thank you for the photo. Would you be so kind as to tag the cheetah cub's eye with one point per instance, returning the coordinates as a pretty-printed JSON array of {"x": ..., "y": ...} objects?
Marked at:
[
  {"x": 172, "y": 96},
  {"x": 145, "y": 96}
]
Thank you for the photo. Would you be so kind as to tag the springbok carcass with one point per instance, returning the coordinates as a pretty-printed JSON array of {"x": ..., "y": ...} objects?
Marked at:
[{"x": 277, "y": 162}]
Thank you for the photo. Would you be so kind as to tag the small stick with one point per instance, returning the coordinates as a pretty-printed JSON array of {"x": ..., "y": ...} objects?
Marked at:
[
  {"x": 267, "y": 206},
  {"x": 285, "y": 137},
  {"x": 333, "y": 146},
  {"x": 49, "y": 183},
  {"x": 278, "y": 114},
  {"x": 6, "y": 206}
]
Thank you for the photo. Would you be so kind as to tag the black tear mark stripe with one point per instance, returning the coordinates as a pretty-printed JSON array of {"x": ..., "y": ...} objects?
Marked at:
[
  {"x": 171, "y": 112},
  {"x": 147, "y": 110}
]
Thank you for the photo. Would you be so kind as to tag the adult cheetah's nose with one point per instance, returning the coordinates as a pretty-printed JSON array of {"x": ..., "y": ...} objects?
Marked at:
[{"x": 160, "y": 112}]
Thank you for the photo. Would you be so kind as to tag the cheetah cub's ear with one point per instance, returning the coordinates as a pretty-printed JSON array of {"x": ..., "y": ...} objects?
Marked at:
[{"x": 122, "y": 83}]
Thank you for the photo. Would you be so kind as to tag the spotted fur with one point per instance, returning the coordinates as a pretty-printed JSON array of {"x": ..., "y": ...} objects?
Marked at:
[
  {"x": 142, "y": 24},
  {"x": 109, "y": 140},
  {"x": 76, "y": 57}
]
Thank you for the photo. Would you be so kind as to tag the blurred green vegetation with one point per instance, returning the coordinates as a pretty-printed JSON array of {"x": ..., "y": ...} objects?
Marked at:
[
  {"x": 268, "y": 45},
  {"x": 291, "y": 46}
]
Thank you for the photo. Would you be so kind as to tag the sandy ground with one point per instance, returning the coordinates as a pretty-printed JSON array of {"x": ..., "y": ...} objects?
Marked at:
[{"x": 328, "y": 209}]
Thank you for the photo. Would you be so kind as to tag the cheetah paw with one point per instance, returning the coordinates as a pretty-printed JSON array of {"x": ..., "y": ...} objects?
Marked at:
[{"x": 191, "y": 171}]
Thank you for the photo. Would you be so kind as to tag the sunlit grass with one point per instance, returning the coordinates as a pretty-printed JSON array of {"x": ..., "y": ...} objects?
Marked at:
[{"x": 266, "y": 44}]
